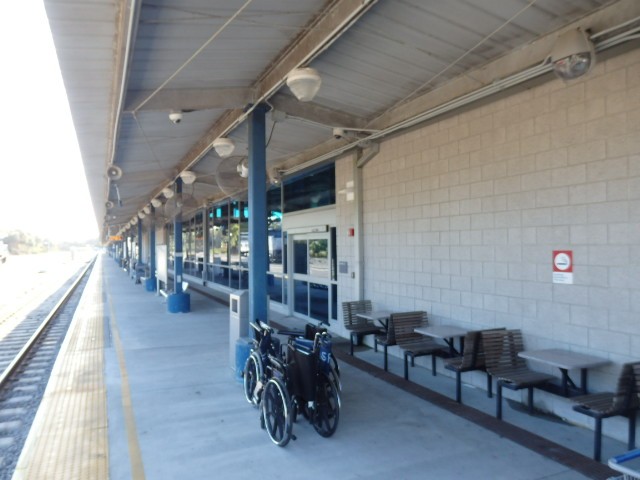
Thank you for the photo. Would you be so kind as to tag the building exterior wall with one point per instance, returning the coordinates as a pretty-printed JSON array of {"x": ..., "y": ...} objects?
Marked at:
[{"x": 461, "y": 216}]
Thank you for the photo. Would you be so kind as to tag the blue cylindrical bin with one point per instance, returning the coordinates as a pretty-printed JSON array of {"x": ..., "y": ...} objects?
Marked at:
[{"x": 243, "y": 349}]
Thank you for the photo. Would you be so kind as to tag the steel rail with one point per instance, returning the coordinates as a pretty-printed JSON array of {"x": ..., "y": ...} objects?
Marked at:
[{"x": 36, "y": 335}]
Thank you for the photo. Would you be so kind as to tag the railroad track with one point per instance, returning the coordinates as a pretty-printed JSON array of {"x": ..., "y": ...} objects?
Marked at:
[{"x": 27, "y": 356}]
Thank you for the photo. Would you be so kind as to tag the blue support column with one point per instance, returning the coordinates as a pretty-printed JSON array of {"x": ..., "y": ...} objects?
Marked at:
[
  {"x": 140, "y": 241},
  {"x": 139, "y": 259},
  {"x": 178, "y": 301},
  {"x": 150, "y": 283},
  {"x": 258, "y": 251}
]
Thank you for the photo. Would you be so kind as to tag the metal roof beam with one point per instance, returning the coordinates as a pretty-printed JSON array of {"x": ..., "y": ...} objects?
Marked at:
[
  {"x": 189, "y": 99},
  {"x": 316, "y": 37},
  {"x": 314, "y": 113}
]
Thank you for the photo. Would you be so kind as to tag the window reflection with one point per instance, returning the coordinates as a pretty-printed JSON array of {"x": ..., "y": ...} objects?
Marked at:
[
  {"x": 300, "y": 301},
  {"x": 319, "y": 302},
  {"x": 319, "y": 258},
  {"x": 300, "y": 256}
]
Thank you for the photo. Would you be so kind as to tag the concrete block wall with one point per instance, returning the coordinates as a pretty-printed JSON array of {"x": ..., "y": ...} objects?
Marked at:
[{"x": 461, "y": 215}]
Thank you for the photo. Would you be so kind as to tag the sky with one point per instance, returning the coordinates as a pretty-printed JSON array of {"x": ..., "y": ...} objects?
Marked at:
[{"x": 43, "y": 189}]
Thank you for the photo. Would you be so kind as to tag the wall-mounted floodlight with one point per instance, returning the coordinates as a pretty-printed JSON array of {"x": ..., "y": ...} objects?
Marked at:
[
  {"x": 224, "y": 146},
  {"x": 573, "y": 55},
  {"x": 304, "y": 83},
  {"x": 114, "y": 172}
]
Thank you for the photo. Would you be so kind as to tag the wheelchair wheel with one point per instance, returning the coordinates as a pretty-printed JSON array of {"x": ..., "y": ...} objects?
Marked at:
[
  {"x": 252, "y": 375},
  {"x": 277, "y": 412},
  {"x": 327, "y": 407}
]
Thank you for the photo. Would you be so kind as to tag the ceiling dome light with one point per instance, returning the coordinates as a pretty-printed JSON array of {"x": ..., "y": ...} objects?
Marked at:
[
  {"x": 156, "y": 202},
  {"x": 224, "y": 146},
  {"x": 167, "y": 192},
  {"x": 304, "y": 83},
  {"x": 141, "y": 215},
  {"x": 188, "y": 177},
  {"x": 147, "y": 209},
  {"x": 573, "y": 55}
]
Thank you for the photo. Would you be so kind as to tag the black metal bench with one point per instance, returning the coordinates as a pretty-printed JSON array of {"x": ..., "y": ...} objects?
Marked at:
[
  {"x": 501, "y": 348},
  {"x": 624, "y": 401},
  {"x": 357, "y": 326},
  {"x": 414, "y": 344},
  {"x": 473, "y": 358}
]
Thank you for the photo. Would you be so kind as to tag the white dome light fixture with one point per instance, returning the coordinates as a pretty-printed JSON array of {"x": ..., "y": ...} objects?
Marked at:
[
  {"x": 188, "y": 177},
  {"x": 573, "y": 55},
  {"x": 147, "y": 209},
  {"x": 156, "y": 202},
  {"x": 224, "y": 146},
  {"x": 304, "y": 83},
  {"x": 167, "y": 192},
  {"x": 141, "y": 215}
]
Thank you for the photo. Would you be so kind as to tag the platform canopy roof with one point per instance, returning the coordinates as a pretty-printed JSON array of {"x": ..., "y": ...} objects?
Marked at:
[{"x": 385, "y": 66}]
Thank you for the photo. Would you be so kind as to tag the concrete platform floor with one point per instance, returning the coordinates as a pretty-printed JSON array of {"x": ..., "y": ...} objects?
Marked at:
[{"x": 175, "y": 410}]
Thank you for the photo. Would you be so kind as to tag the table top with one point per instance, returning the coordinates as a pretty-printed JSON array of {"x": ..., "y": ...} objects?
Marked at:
[
  {"x": 563, "y": 358},
  {"x": 442, "y": 331},
  {"x": 375, "y": 315}
]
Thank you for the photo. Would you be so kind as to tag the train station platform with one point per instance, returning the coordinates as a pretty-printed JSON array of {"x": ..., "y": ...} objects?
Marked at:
[{"x": 139, "y": 393}]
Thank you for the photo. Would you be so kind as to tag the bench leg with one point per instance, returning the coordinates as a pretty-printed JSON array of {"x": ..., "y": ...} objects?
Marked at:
[
  {"x": 375, "y": 345},
  {"x": 351, "y": 344},
  {"x": 489, "y": 386},
  {"x": 433, "y": 365},
  {"x": 386, "y": 365},
  {"x": 530, "y": 399},
  {"x": 406, "y": 366},
  {"x": 499, "y": 401},
  {"x": 597, "y": 441},
  {"x": 459, "y": 387},
  {"x": 631, "y": 444}
]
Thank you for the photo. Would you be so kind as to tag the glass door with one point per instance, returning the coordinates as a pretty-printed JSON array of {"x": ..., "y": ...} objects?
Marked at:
[{"x": 312, "y": 275}]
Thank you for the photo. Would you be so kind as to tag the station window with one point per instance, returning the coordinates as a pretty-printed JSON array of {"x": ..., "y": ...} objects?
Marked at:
[{"x": 315, "y": 188}]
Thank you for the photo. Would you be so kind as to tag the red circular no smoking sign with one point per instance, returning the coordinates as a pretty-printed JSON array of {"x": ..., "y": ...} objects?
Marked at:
[{"x": 563, "y": 261}]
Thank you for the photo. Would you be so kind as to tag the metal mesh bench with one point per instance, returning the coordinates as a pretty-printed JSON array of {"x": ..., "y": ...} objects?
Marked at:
[
  {"x": 414, "y": 344},
  {"x": 358, "y": 327},
  {"x": 473, "y": 358},
  {"x": 501, "y": 349},
  {"x": 624, "y": 401}
]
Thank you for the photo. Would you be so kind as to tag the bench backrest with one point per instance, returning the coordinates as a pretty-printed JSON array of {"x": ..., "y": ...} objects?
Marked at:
[
  {"x": 626, "y": 395},
  {"x": 351, "y": 309},
  {"x": 470, "y": 353},
  {"x": 479, "y": 356},
  {"x": 391, "y": 332},
  {"x": 501, "y": 348},
  {"x": 404, "y": 324}
]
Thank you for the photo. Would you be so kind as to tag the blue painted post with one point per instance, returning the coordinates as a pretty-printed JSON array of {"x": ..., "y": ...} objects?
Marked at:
[
  {"x": 258, "y": 251},
  {"x": 150, "y": 283},
  {"x": 139, "y": 260},
  {"x": 178, "y": 301}
]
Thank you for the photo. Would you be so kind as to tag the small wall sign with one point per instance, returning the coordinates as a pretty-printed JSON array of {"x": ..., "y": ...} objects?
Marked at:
[{"x": 563, "y": 266}]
